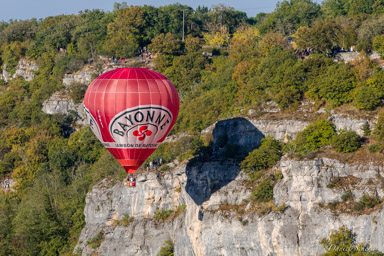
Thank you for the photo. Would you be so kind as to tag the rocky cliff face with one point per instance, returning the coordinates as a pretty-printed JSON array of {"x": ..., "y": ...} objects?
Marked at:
[
  {"x": 212, "y": 214},
  {"x": 210, "y": 224},
  {"x": 59, "y": 103},
  {"x": 24, "y": 69}
]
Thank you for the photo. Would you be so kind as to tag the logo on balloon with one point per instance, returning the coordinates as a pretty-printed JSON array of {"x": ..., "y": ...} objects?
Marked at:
[
  {"x": 140, "y": 127},
  {"x": 142, "y": 133}
]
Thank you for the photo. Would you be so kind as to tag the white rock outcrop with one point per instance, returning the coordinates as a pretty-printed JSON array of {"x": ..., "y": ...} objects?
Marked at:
[
  {"x": 204, "y": 229},
  {"x": 213, "y": 190}
]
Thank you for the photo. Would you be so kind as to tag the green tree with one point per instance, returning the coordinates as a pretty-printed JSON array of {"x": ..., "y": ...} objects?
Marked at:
[
  {"x": 342, "y": 242},
  {"x": 367, "y": 98},
  {"x": 290, "y": 15},
  {"x": 264, "y": 157},
  {"x": 167, "y": 249},
  {"x": 346, "y": 141},
  {"x": 315, "y": 136},
  {"x": 334, "y": 8},
  {"x": 125, "y": 33},
  {"x": 334, "y": 85}
]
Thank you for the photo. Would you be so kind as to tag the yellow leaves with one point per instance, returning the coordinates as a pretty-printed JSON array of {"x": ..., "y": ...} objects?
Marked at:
[
  {"x": 217, "y": 39},
  {"x": 22, "y": 175},
  {"x": 271, "y": 40},
  {"x": 71, "y": 49},
  {"x": 244, "y": 43},
  {"x": 371, "y": 82},
  {"x": 246, "y": 33},
  {"x": 300, "y": 39},
  {"x": 17, "y": 136},
  {"x": 240, "y": 71}
]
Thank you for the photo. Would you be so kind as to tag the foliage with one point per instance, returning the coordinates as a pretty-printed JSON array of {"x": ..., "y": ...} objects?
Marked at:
[
  {"x": 334, "y": 85},
  {"x": 290, "y": 15},
  {"x": 126, "y": 220},
  {"x": 77, "y": 91},
  {"x": 180, "y": 209},
  {"x": 367, "y": 202},
  {"x": 263, "y": 191},
  {"x": 343, "y": 242},
  {"x": 367, "y": 98},
  {"x": 264, "y": 157},
  {"x": 346, "y": 141},
  {"x": 167, "y": 249},
  {"x": 315, "y": 136},
  {"x": 378, "y": 134},
  {"x": 166, "y": 44},
  {"x": 96, "y": 241},
  {"x": 162, "y": 214},
  {"x": 256, "y": 63},
  {"x": 378, "y": 44}
]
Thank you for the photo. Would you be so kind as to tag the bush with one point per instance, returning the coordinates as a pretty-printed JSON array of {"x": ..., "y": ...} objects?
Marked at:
[
  {"x": 378, "y": 132},
  {"x": 263, "y": 191},
  {"x": 367, "y": 202},
  {"x": 315, "y": 136},
  {"x": 126, "y": 220},
  {"x": 342, "y": 242},
  {"x": 374, "y": 148},
  {"x": 346, "y": 141},
  {"x": 264, "y": 157},
  {"x": 366, "y": 129},
  {"x": 367, "y": 98},
  {"x": 96, "y": 241},
  {"x": 167, "y": 249},
  {"x": 162, "y": 214},
  {"x": 77, "y": 91}
]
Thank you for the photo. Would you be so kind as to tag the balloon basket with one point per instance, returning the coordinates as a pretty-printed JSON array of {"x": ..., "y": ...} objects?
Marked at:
[{"x": 131, "y": 182}]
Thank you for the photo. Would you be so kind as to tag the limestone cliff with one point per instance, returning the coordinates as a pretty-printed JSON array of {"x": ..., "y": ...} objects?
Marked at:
[
  {"x": 208, "y": 228},
  {"x": 212, "y": 214},
  {"x": 24, "y": 69}
]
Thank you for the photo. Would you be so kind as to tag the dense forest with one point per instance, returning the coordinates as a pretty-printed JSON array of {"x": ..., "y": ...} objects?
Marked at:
[{"x": 227, "y": 64}]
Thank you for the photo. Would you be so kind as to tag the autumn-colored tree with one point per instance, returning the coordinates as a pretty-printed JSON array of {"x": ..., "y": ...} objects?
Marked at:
[{"x": 244, "y": 43}]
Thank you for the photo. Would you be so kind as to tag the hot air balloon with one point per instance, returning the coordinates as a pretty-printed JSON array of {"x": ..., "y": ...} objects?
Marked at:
[{"x": 131, "y": 111}]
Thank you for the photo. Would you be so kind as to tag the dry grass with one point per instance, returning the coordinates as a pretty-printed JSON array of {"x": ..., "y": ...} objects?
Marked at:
[
  {"x": 351, "y": 112},
  {"x": 344, "y": 183},
  {"x": 261, "y": 208},
  {"x": 348, "y": 208},
  {"x": 361, "y": 156}
]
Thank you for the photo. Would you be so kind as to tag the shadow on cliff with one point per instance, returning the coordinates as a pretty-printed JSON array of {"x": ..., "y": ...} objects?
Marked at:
[{"x": 233, "y": 139}]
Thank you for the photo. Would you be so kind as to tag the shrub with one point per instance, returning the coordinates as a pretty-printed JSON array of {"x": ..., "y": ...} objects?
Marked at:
[
  {"x": 77, "y": 91},
  {"x": 96, "y": 241},
  {"x": 180, "y": 209},
  {"x": 367, "y": 202},
  {"x": 263, "y": 191},
  {"x": 167, "y": 249},
  {"x": 346, "y": 141},
  {"x": 366, "y": 129},
  {"x": 367, "y": 98},
  {"x": 343, "y": 242},
  {"x": 264, "y": 157},
  {"x": 315, "y": 136},
  {"x": 126, "y": 220},
  {"x": 162, "y": 214},
  {"x": 374, "y": 148},
  {"x": 378, "y": 132}
]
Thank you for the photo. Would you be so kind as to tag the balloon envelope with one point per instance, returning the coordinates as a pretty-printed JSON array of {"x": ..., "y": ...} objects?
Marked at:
[{"x": 131, "y": 111}]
